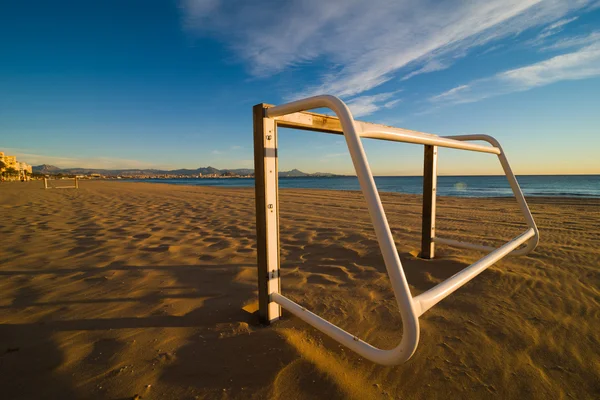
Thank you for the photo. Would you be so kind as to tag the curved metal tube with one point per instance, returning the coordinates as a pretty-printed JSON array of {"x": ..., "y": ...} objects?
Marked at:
[
  {"x": 532, "y": 243},
  {"x": 410, "y": 308},
  {"x": 410, "y": 320},
  {"x": 430, "y": 298},
  {"x": 427, "y": 139}
]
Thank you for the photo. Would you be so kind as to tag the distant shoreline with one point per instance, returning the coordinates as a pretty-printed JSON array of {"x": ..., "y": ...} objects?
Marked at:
[{"x": 485, "y": 186}]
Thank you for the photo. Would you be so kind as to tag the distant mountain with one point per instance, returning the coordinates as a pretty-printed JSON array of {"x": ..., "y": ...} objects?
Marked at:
[
  {"x": 296, "y": 173},
  {"x": 292, "y": 174},
  {"x": 240, "y": 171},
  {"x": 46, "y": 169},
  {"x": 52, "y": 170}
]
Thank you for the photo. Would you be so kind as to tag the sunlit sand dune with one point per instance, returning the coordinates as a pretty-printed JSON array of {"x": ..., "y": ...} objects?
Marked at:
[{"x": 123, "y": 289}]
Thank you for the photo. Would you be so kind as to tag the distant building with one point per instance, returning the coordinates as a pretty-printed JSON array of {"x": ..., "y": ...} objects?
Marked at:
[
  {"x": 6, "y": 160},
  {"x": 10, "y": 161},
  {"x": 23, "y": 169}
]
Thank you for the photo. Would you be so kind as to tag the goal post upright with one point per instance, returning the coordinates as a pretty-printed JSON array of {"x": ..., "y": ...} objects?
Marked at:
[
  {"x": 429, "y": 200},
  {"x": 267, "y": 213}
]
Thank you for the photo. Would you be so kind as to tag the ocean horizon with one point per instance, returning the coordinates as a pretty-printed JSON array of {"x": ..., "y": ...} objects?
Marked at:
[{"x": 576, "y": 186}]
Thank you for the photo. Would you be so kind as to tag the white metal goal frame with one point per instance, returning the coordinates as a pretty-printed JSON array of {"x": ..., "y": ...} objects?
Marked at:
[
  {"x": 74, "y": 186},
  {"x": 294, "y": 115}
]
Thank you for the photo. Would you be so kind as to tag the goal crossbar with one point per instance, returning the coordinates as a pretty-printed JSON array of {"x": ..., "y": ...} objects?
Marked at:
[
  {"x": 75, "y": 184},
  {"x": 295, "y": 115}
]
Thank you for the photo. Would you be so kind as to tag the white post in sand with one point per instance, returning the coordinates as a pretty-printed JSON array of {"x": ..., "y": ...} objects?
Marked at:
[{"x": 267, "y": 213}]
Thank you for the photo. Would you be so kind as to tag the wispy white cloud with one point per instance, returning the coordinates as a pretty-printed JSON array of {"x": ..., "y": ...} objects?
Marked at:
[
  {"x": 491, "y": 49},
  {"x": 216, "y": 152},
  {"x": 391, "y": 103},
  {"x": 594, "y": 5},
  {"x": 365, "y": 105},
  {"x": 580, "y": 64},
  {"x": 556, "y": 27},
  {"x": 365, "y": 44},
  {"x": 547, "y": 34},
  {"x": 574, "y": 41},
  {"x": 197, "y": 10},
  {"x": 32, "y": 157},
  {"x": 451, "y": 93},
  {"x": 431, "y": 66}
]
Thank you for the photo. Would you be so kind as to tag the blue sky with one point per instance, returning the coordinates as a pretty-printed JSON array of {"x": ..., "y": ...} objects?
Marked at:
[{"x": 171, "y": 84}]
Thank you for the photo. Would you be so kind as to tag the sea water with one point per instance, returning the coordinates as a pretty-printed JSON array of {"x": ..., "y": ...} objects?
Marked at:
[{"x": 459, "y": 186}]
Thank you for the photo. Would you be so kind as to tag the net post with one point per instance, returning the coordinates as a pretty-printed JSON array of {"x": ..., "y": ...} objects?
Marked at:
[
  {"x": 267, "y": 213},
  {"x": 429, "y": 193},
  {"x": 76, "y": 183},
  {"x": 45, "y": 183}
]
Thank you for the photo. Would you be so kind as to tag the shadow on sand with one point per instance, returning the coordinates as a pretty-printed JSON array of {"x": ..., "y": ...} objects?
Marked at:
[
  {"x": 206, "y": 361},
  {"x": 28, "y": 364}
]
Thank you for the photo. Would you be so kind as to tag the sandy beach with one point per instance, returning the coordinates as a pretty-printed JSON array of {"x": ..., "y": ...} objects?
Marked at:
[{"x": 118, "y": 290}]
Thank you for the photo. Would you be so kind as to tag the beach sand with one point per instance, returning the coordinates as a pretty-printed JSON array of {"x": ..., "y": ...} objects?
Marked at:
[{"x": 122, "y": 289}]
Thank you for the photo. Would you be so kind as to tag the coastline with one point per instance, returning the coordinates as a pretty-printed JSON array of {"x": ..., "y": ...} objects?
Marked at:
[
  {"x": 358, "y": 191},
  {"x": 587, "y": 186}
]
